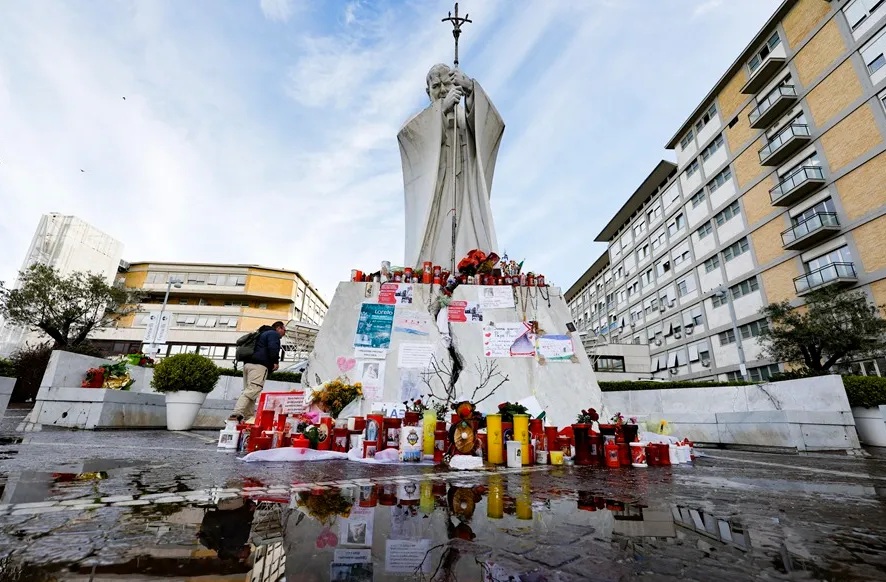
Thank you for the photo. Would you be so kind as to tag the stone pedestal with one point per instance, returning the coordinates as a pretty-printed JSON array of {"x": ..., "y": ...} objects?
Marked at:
[{"x": 562, "y": 388}]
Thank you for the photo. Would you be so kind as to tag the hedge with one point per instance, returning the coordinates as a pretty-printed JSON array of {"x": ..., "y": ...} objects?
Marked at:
[
  {"x": 866, "y": 391},
  {"x": 276, "y": 376},
  {"x": 7, "y": 368},
  {"x": 650, "y": 385}
]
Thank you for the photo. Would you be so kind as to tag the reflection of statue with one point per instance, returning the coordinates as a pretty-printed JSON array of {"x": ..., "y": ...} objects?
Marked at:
[{"x": 426, "y": 143}]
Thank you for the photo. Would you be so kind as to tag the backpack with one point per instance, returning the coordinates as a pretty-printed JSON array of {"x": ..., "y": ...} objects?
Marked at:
[{"x": 246, "y": 346}]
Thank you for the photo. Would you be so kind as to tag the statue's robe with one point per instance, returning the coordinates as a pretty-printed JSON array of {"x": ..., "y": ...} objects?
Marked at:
[{"x": 426, "y": 154}]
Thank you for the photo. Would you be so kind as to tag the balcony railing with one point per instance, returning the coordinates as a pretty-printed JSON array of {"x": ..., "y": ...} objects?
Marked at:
[
  {"x": 762, "y": 73},
  {"x": 834, "y": 273},
  {"x": 783, "y": 144},
  {"x": 775, "y": 103},
  {"x": 811, "y": 230},
  {"x": 802, "y": 181}
]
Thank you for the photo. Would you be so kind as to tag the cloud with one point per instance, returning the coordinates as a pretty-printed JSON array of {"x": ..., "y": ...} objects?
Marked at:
[
  {"x": 705, "y": 7},
  {"x": 278, "y": 10},
  {"x": 268, "y": 139}
]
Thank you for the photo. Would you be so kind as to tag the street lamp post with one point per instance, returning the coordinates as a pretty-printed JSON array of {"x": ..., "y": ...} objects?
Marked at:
[
  {"x": 724, "y": 292},
  {"x": 177, "y": 283}
]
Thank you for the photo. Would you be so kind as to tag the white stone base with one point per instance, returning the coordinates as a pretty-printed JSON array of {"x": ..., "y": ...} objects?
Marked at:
[
  {"x": 812, "y": 414},
  {"x": 465, "y": 462},
  {"x": 871, "y": 425},
  {"x": 6, "y": 386},
  {"x": 561, "y": 388}
]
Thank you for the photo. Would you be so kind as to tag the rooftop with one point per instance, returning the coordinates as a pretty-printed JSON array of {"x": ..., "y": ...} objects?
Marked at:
[{"x": 647, "y": 189}]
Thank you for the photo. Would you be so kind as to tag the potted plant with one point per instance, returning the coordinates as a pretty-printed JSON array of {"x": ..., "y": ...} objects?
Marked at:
[
  {"x": 186, "y": 379},
  {"x": 580, "y": 431},
  {"x": 867, "y": 398},
  {"x": 333, "y": 396}
]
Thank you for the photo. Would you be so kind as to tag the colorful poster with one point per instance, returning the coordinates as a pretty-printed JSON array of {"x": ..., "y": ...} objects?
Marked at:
[
  {"x": 497, "y": 297},
  {"x": 413, "y": 322},
  {"x": 415, "y": 355},
  {"x": 374, "y": 326},
  {"x": 411, "y": 384},
  {"x": 372, "y": 376},
  {"x": 395, "y": 294},
  {"x": 508, "y": 340},
  {"x": 465, "y": 311},
  {"x": 556, "y": 348}
]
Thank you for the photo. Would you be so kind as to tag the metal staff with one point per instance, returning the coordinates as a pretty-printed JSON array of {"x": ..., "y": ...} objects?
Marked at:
[{"x": 456, "y": 22}]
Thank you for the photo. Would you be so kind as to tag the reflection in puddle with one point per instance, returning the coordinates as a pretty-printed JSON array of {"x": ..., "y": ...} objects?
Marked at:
[{"x": 493, "y": 528}]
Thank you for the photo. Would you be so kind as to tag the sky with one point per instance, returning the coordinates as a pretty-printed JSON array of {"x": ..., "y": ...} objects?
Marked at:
[{"x": 264, "y": 131}]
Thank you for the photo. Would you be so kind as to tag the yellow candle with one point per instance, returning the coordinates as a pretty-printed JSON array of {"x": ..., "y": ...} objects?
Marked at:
[
  {"x": 524, "y": 499},
  {"x": 495, "y": 455},
  {"x": 521, "y": 433},
  {"x": 495, "y": 500},
  {"x": 426, "y": 502},
  {"x": 429, "y": 424},
  {"x": 556, "y": 457}
]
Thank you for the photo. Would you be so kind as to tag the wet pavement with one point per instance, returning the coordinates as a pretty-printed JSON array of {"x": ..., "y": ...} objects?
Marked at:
[{"x": 153, "y": 505}]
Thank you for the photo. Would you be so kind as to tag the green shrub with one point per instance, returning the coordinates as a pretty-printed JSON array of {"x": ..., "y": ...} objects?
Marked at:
[
  {"x": 185, "y": 372},
  {"x": 30, "y": 363},
  {"x": 650, "y": 385},
  {"x": 276, "y": 376},
  {"x": 7, "y": 368},
  {"x": 866, "y": 391}
]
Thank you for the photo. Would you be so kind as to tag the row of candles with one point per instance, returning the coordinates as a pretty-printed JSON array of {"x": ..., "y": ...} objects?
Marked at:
[{"x": 435, "y": 274}]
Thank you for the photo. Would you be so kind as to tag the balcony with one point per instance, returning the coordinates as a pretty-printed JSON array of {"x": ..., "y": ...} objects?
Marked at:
[
  {"x": 784, "y": 144},
  {"x": 798, "y": 184},
  {"x": 763, "y": 73},
  {"x": 811, "y": 231},
  {"x": 772, "y": 106},
  {"x": 834, "y": 274}
]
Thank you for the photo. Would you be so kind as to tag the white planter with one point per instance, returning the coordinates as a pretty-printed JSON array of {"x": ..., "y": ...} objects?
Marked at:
[
  {"x": 182, "y": 408},
  {"x": 871, "y": 425}
]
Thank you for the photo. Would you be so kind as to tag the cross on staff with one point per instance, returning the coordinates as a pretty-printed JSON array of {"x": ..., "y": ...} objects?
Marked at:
[
  {"x": 456, "y": 28},
  {"x": 456, "y": 22}
]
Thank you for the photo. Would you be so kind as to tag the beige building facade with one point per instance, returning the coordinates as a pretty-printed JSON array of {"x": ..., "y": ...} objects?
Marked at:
[{"x": 779, "y": 188}]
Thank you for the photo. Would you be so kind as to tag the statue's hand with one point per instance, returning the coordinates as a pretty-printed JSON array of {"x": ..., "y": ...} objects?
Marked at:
[
  {"x": 459, "y": 79},
  {"x": 452, "y": 97}
]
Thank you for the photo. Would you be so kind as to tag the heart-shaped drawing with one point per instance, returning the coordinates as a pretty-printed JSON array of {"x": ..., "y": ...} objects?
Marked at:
[
  {"x": 345, "y": 364},
  {"x": 488, "y": 335},
  {"x": 488, "y": 353}
]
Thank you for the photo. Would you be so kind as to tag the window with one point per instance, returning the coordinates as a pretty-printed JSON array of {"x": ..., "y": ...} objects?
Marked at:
[
  {"x": 735, "y": 249},
  {"x": 686, "y": 286},
  {"x": 824, "y": 207},
  {"x": 654, "y": 212},
  {"x": 876, "y": 64},
  {"x": 712, "y": 147},
  {"x": 726, "y": 337},
  {"x": 677, "y": 224},
  {"x": 686, "y": 140},
  {"x": 156, "y": 278},
  {"x": 671, "y": 196},
  {"x": 744, "y": 288},
  {"x": 697, "y": 198},
  {"x": 639, "y": 229},
  {"x": 719, "y": 180},
  {"x": 681, "y": 258},
  {"x": 717, "y": 300},
  {"x": 643, "y": 252},
  {"x": 662, "y": 267},
  {"x": 609, "y": 364},
  {"x": 727, "y": 213},
  {"x": 697, "y": 317},
  {"x": 706, "y": 118},
  {"x": 711, "y": 264},
  {"x": 761, "y": 55},
  {"x": 633, "y": 288},
  {"x": 262, "y": 305},
  {"x": 763, "y": 373},
  {"x": 704, "y": 230},
  {"x": 646, "y": 278},
  {"x": 858, "y": 11},
  {"x": 658, "y": 240},
  {"x": 182, "y": 301},
  {"x": 693, "y": 168},
  {"x": 753, "y": 329},
  {"x": 840, "y": 255},
  {"x": 734, "y": 376}
]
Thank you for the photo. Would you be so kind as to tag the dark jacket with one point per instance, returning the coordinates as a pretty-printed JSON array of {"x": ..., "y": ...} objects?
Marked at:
[{"x": 267, "y": 349}]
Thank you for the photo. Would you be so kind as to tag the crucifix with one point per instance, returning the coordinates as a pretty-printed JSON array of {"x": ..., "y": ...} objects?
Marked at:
[{"x": 456, "y": 22}]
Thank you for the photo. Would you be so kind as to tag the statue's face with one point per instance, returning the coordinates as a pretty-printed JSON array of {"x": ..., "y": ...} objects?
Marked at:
[{"x": 438, "y": 84}]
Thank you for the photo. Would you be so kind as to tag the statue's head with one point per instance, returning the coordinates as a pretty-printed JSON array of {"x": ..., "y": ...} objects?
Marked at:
[{"x": 438, "y": 82}]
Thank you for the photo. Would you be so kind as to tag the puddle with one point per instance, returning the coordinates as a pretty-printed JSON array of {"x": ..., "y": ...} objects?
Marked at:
[
  {"x": 494, "y": 527},
  {"x": 10, "y": 440}
]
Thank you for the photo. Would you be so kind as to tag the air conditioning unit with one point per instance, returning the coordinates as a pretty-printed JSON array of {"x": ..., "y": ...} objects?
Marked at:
[
  {"x": 706, "y": 363},
  {"x": 671, "y": 303},
  {"x": 677, "y": 336},
  {"x": 674, "y": 371},
  {"x": 661, "y": 307},
  {"x": 688, "y": 329},
  {"x": 658, "y": 342}
]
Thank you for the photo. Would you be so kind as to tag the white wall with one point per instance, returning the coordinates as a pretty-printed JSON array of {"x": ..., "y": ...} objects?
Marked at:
[
  {"x": 722, "y": 194},
  {"x": 690, "y": 183},
  {"x": 710, "y": 130},
  {"x": 740, "y": 265},
  {"x": 685, "y": 156},
  {"x": 714, "y": 163},
  {"x": 731, "y": 228}
]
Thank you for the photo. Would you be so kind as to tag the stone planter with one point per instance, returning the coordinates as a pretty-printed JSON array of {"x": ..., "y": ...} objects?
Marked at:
[
  {"x": 870, "y": 423},
  {"x": 182, "y": 408},
  {"x": 6, "y": 387}
]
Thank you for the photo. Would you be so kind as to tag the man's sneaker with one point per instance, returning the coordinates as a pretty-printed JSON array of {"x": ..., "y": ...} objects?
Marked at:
[{"x": 237, "y": 417}]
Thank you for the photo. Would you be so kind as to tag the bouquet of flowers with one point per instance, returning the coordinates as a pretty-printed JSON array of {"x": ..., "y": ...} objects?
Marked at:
[
  {"x": 326, "y": 505},
  {"x": 335, "y": 395},
  {"x": 587, "y": 416},
  {"x": 509, "y": 409}
]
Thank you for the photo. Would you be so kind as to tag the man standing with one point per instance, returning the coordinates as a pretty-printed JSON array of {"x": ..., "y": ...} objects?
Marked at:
[{"x": 265, "y": 359}]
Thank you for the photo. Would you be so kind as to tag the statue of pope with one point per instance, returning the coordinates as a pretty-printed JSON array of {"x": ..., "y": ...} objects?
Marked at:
[{"x": 426, "y": 150}]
